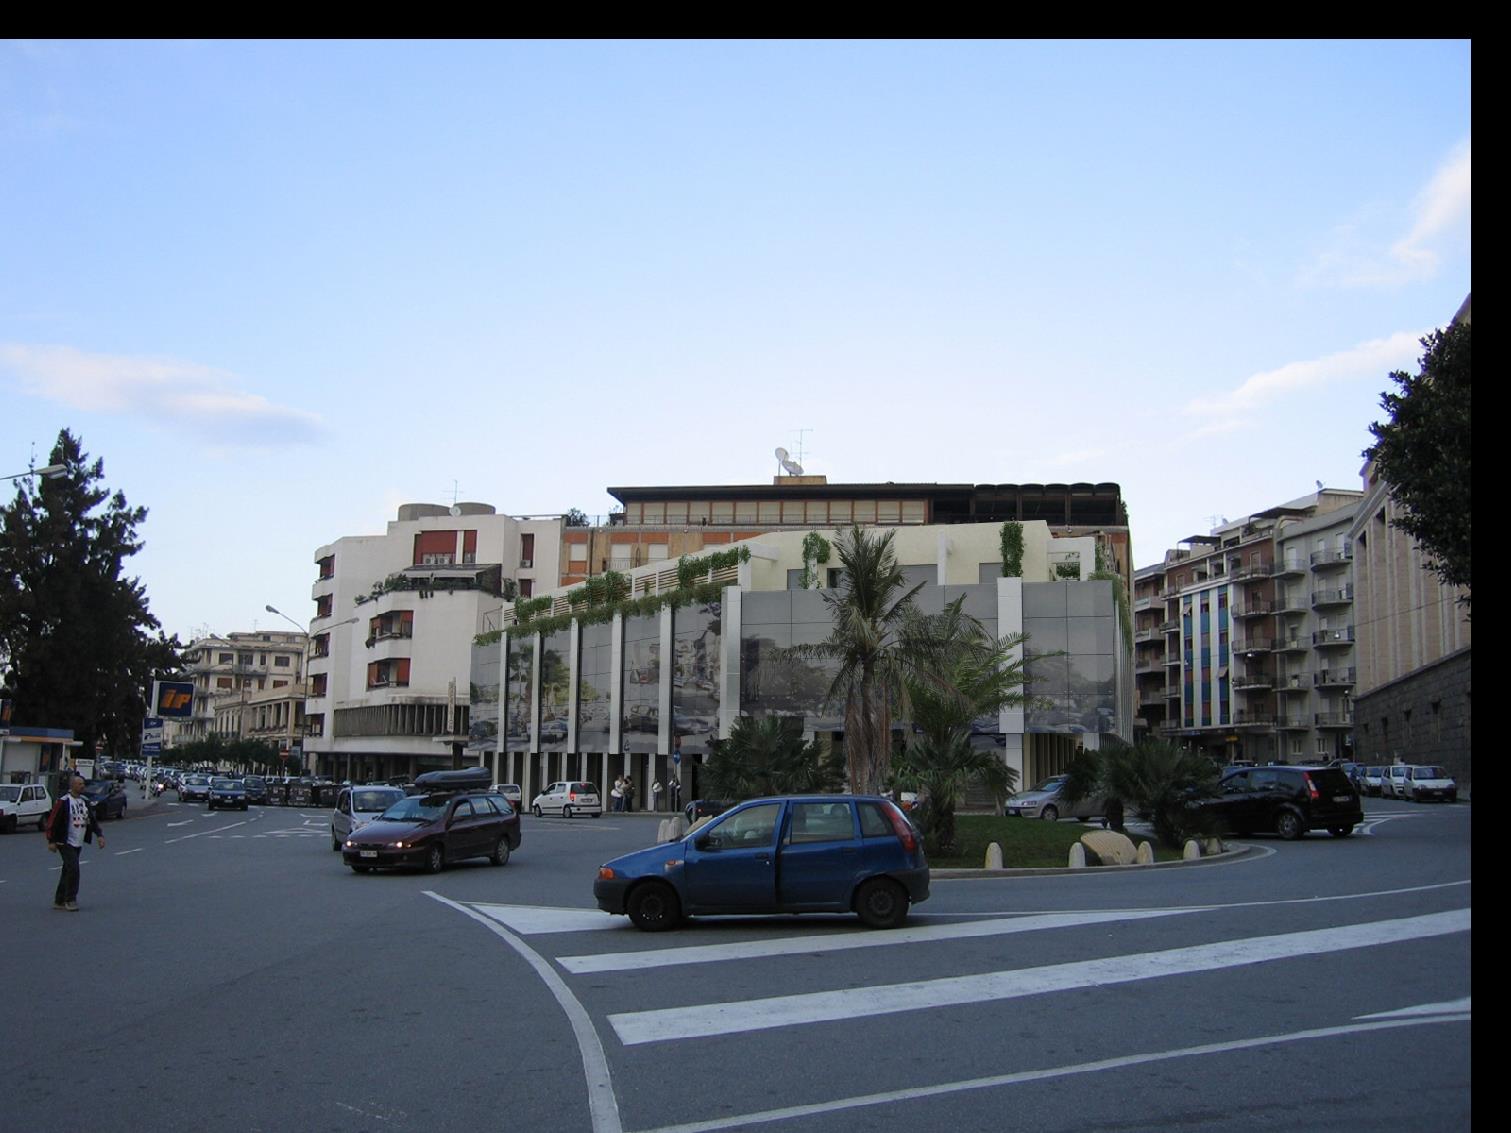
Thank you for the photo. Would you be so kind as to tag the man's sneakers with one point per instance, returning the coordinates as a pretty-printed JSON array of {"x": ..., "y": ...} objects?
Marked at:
[
  {"x": 72, "y": 906},
  {"x": 59, "y": 906}
]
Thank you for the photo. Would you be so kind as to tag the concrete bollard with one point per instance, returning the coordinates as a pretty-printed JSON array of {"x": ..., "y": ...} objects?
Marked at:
[
  {"x": 1212, "y": 846},
  {"x": 1078, "y": 856},
  {"x": 1192, "y": 850},
  {"x": 993, "y": 855},
  {"x": 676, "y": 827},
  {"x": 1145, "y": 854},
  {"x": 661, "y": 830}
]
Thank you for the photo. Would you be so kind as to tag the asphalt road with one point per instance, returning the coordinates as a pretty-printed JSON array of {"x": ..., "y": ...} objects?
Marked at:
[{"x": 227, "y": 972}]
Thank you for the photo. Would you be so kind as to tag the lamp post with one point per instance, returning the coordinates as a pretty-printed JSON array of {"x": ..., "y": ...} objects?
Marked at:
[
  {"x": 308, "y": 637},
  {"x": 51, "y": 472},
  {"x": 301, "y": 677}
]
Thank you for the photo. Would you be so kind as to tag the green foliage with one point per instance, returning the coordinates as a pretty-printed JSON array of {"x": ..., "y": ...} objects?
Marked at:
[
  {"x": 236, "y": 754},
  {"x": 1070, "y": 571},
  {"x": 1423, "y": 452},
  {"x": 768, "y": 756},
  {"x": 1012, "y": 549},
  {"x": 1157, "y": 781},
  {"x": 815, "y": 553},
  {"x": 77, "y": 648},
  {"x": 575, "y": 517}
]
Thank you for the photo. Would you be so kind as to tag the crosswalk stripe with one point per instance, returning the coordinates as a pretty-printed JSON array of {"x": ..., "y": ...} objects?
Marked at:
[
  {"x": 702, "y": 1020},
  {"x": 1452, "y": 1007},
  {"x": 841, "y": 941},
  {"x": 535, "y": 920}
]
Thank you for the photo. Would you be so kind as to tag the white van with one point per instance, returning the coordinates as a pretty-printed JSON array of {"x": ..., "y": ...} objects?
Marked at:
[{"x": 356, "y": 806}]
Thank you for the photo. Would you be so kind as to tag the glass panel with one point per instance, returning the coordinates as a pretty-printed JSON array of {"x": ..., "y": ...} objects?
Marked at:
[
  {"x": 888, "y": 511},
  {"x": 676, "y": 511},
  {"x": 655, "y": 513},
  {"x": 640, "y": 722},
  {"x": 594, "y": 689},
  {"x": 696, "y": 648},
  {"x": 555, "y": 686},
  {"x": 913, "y": 511},
  {"x": 745, "y": 511},
  {"x": 821, "y": 822},
  {"x": 483, "y": 698},
  {"x": 769, "y": 511},
  {"x": 816, "y": 512},
  {"x": 792, "y": 511},
  {"x": 520, "y": 664},
  {"x": 698, "y": 511},
  {"x": 839, "y": 512},
  {"x": 865, "y": 511}
]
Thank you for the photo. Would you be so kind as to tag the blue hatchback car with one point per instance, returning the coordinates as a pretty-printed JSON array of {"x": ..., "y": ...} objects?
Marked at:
[{"x": 795, "y": 854}]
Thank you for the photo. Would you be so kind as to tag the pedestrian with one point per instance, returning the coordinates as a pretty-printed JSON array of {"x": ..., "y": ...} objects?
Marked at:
[
  {"x": 629, "y": 794},
  {"x": 677, "y": 791},
  {"x": 617, "y": 794},
  {"x": 69, "y": 826},
  {"x": 656, "y": 795}
]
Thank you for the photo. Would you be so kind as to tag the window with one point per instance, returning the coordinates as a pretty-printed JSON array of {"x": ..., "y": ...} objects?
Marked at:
[
  {"x": 697, "y": 512},
  {"x": 227, "y": 659},
  {"x": 769, "y": 511},
  {"x": 222, "y": 682},
  {"x": 816, "y": 512},
  {"x": 463, "y": 809},
  {"x": 722, "y": 511},
  {"x": 280, "y": 662},
  {"x": 526, "y": 587},
  {"x": 913, "y": 511},
  {"x": 888, "y": 511},
  {"x": 676, "y": 512},
  {"x": 865, "y": 511},
  {"x": 745, "y": 511},
  {"x": 840, "y": 511},
  {"x": 527, "y": 550},
  {"x": 753, "y": 827},
  {"x": 821, "y": 822},
  {"x": 654, "y": 513},
  {"x": 793, "y": 511},
  {"x": 577, "y": 552}
]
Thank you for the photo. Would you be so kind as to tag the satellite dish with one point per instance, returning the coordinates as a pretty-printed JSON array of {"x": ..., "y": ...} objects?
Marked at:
[
  {"x": 456, "y": 509},
  {"x": 781, "y": 454},
  {"x": 792, "y": 467}
]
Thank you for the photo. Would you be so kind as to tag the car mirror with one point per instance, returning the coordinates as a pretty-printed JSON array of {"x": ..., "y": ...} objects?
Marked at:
[{"x": 709, "y": 842}]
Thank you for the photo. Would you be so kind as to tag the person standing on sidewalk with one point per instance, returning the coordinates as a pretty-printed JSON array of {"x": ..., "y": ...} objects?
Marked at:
[{"x": 69, "y": 826}]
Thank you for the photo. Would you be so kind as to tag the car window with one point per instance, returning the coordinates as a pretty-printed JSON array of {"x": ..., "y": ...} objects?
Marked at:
[
  {"x": 416, "y": 808},
  {"x": 11, "y": 794},
  {"x": 1263, "y": 779},
  {"x": 502, "y": 805},
  {"x": 1239, "y": 781},
  {"x": 372, "y": 800},
  {"x": 754, "y": 826},
  {"x": 463, "y": 809},
  {"x": 873, "y": 823},
  {"x": 821, "y": 822},
  {"x": 1429, "y": 773}
]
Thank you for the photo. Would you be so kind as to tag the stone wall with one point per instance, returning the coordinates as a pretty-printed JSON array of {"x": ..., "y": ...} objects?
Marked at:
[{"x": 1424, "y": 717}]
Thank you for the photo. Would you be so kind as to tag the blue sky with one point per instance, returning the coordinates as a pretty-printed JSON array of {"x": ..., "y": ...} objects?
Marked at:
[{"x": 282, "y": 288}]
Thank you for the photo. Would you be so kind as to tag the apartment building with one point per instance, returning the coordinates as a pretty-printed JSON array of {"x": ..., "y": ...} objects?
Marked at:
[
  {"x": 657, "y": 524},
  {"x": 274, "y": 715},
  {"x": 227, "y": 669},
  {"x": 1244, "y": 638},
  {"x": 395, "y": 615},
  {"x": 1412, "y": 695},
  {"x": 646, "y": 694}
]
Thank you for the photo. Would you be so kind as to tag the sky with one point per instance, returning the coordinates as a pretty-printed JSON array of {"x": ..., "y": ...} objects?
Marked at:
[{"x": 282, "y": 288}]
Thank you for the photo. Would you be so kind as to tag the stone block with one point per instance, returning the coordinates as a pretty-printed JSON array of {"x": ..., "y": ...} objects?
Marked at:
[
  {"x": 1192, "y": 850},
  {"x": 1111, "y": 847},
  {"x": 993, "y": 855},
  {"x": 1145, "y": 854}
]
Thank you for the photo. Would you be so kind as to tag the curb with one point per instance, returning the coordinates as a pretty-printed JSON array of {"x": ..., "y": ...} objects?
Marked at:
[{"x": 963, "y": 874}]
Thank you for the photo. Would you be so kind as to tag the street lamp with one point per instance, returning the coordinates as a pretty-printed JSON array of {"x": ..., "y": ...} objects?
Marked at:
[
  {"x": 51, "y": 472},
  {"x": 303, "y": 676}
]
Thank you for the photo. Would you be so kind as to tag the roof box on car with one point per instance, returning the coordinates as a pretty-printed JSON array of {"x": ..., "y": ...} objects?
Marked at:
[{"x": 467, "y": 779}]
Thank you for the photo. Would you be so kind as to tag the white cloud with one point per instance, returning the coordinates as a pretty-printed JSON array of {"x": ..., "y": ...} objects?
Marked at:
[
  {"x": 1439, "y": 219},
  {"x": 1234, "y": 410},
  {"x": 160, "y": 389}
]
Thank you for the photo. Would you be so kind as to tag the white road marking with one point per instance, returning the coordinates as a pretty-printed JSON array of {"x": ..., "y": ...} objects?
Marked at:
[
  {"x": 839, "y": 941},
  {"x": 203, "y": 833},
  {"x": 185, "y": 822},
  {"x": 533, "y": 920},
  {"x": 603, "y": 1106},
  {"x": 700, "y": 1020},
  {"x": 1452, "y": 1007},
  {"x": 123, "y": 853},
  {"x": 893, "y": 1097}
]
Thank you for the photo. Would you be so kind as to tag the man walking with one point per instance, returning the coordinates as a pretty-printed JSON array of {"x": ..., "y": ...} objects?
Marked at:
[{"x": 69, "y": 826}]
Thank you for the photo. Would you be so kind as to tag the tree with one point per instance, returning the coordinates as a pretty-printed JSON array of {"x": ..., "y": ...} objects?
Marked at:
[
  {"x": 970, "y": 675},
  {"x": 1423, "y": 452},
  {"x": 1158, "y": 781},
  {"x": 575, "y": 517},
  {"x": 76, "y": 638},
  {"x": 768, "y": 756},
  {"x": 870, "y": 640}
]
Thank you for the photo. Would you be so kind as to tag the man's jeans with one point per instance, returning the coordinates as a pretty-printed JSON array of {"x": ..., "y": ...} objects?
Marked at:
[{"x": 68, "y": 883}]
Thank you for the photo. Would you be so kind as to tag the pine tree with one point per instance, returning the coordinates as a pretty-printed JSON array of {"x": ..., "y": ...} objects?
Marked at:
[{"x": 77, "y": 648}]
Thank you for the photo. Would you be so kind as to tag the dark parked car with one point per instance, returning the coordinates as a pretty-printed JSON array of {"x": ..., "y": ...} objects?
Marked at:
[
  {"x": 1286, "y": 800},
  {"x": 804, "y": 854},
  {"x": 227, "y": 793},
  {"x": 107, "y": 797},
  {"x": 256, "y": 788},
  {"x": 455, "y": 816}
]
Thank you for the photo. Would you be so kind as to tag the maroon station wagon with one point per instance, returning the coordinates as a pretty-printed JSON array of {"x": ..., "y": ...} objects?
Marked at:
[{"x": 453, "y": 818}]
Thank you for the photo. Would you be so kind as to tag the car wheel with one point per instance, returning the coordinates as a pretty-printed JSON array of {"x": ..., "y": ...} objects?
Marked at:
[
  {"x": 881, "y": 903},
  {"x": 436, "y": 860},
  {"x": 654, "y": 907},
  {"x": 42, "y": 824},
  {"x": 1049, "y": 814},
  {"x": 500, "y": 855},
  {"x": 535, "y": 810},
  {"x": 8, "y": 825},
  {"x": 362, "y": 869},
  {"x": 1340, "y": 831},
  {"x": 1288, "y": 825},
  {"x": 566, "y": 811},
  {"x": 335, "y": 842}
]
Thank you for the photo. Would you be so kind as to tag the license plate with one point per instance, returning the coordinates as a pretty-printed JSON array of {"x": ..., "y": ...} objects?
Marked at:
[
  {"x": 367, "y": 853},
  {"x": 1343, "y": 798}
]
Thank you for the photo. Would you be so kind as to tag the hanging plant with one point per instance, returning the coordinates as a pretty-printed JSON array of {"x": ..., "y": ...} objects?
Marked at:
[
  {"x": 815, "y": 553},
  {"x": 1012, "y": 549}
]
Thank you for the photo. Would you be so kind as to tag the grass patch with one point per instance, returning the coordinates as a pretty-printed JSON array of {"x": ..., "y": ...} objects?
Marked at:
[{"x": 1027, "y": 843}]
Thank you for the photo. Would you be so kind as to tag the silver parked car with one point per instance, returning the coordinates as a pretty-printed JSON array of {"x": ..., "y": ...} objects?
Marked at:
[
  {"x": 357, "y": 806},
  {"x": 1047, "y": 801}
]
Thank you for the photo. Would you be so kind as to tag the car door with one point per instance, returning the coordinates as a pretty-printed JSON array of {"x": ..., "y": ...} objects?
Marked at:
[
  {"x": 819, "y": 856},
  {"x": 1232, "y": 802},
  {"x": 730, "y": 864},
  {"x": 341, "y": 820},
  {"x": 462, "y": 834}
]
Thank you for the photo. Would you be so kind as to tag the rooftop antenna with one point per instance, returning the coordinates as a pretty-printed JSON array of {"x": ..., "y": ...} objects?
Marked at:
[{"x": 800, "y": 450}]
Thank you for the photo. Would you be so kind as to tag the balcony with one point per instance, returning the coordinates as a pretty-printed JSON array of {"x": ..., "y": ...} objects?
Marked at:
[
  {"x": 1148, "y": 633},
  {"x": 1334, "y": 678},
  {"x": 1171, "y": 626},
  {"x": 1290, "y": 568},
  {"x": 1245, "y": 719},
  {"x": 1259, "y": 608},
  {"x": 1324, "y": 560},
  {"x": 1293, "y": 724},
  {"x": 1291, "y": 682},
  {"x": 1261, "y": 570},
  {"x": 1256, "y": 644},
  {"x": 1343, "y": 596},
  {"x": 1172, "y": 692},
  {"x": 1334, "y": 719},
  {"x": 1329, "y": 638},
  {"x": 1146, "y": 667},
  {"x": 1255, "y": 680},
  {"x": 1172, "y": 660},
  {"x": 1292, "y": 644}
]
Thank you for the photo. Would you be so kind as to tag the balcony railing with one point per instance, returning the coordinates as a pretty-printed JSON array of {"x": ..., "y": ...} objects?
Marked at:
[
  {"x": 1324, "y": 559},
  {"x": 1288, "y": 567},
  {"x": 1262, "y": 570},
  {"x": 1254, "y": 645},
  {"x": 1293, "y": 724},
  {"x": 1172, "y": 692},
  {"x": 1327, "y": 637},
  {"x": 1246, "y": 719},
  {"x": 1255, "y": 609},
  {"x": 1171, "y": 626},
  {"x": 1334, "y": 719},
  {"x": 1290, "y": 682},
  {"x": 1340, "y": 597},
  {"x": 1292, "y": 644},
  {"x": 1334, "y": 678},
  {"x": 1259, "y": 679}
]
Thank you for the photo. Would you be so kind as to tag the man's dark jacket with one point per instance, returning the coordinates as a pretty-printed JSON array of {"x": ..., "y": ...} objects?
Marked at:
[{"x": 57, "y": 822}]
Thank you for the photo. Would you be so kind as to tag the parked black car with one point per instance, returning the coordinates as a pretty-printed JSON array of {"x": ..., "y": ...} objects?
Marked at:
[
  {"x": 107, "y": 797},
  {"x": 256, "y": 788},
  {"x": 1287, "y": 801}
]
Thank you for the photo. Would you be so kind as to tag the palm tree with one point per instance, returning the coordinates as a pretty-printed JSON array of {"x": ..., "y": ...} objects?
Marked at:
[
  {"x": 1158, "y": 780},
  {"x": 768, "y": 756},
  {"x": 969, "y": 674},
  {"x": 870, "y": 640}
]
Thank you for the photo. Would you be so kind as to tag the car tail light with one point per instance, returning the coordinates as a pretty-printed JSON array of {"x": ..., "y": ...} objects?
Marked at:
[
  {"x": 901, "y": 827},
  {"x": 571, "y": 796},
  {"x": 1310, "y": 786}
]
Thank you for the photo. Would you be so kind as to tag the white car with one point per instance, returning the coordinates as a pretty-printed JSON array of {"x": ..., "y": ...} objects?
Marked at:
[
  {"x": 511, "y": 792},
  {"x": 1397, "y": 778},
  {"x": 567, "y": 799},
  {"x": 1374, "y": 780},
  {"x": 357, "y": 806},
  {"x": 22, "y": 804},
  {"x": 1429, "y": 781}
]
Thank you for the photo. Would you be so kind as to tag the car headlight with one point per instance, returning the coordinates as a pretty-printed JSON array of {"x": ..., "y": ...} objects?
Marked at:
[{"x": 349, "y": 844}]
